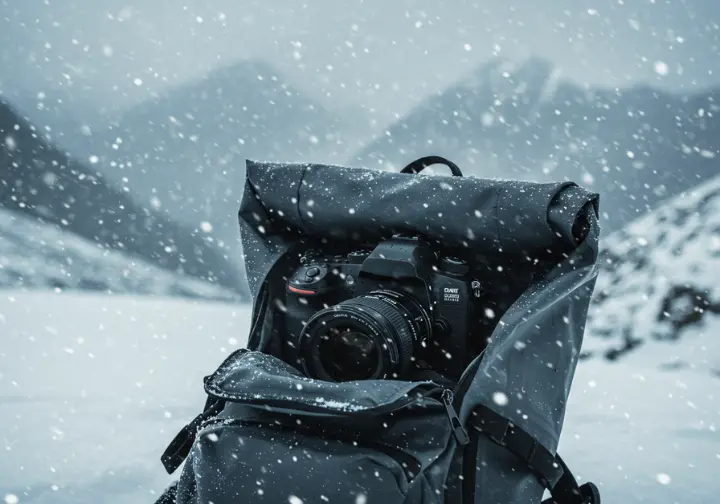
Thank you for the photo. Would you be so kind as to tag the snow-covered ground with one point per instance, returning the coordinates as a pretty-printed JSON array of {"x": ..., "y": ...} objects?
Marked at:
[
  {"x": 38, "y": 255},
  {"x": 92, "y": 388}
]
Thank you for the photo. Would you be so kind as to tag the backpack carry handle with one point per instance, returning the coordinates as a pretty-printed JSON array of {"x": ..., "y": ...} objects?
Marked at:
[{"x": 420, "y": 164}]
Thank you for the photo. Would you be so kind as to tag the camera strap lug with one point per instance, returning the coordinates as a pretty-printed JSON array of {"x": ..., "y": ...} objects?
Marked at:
[{"x": 460, "y": 432}]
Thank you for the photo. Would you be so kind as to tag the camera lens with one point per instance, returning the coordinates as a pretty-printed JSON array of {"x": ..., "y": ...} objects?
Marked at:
[
  {"x": 367, "y": 337},
  {"x": 346, "y": 354}
]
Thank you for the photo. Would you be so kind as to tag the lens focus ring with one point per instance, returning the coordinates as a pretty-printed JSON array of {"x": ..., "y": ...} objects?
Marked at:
[{"x": 403, "y": 339}]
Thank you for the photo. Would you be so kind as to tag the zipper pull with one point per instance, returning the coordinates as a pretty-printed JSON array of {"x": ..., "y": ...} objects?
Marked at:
[{"x": 460, "y": 433}]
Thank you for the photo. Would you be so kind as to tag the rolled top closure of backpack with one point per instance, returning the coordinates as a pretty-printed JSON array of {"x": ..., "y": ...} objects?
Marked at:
[{"x": 363, "y": 205}]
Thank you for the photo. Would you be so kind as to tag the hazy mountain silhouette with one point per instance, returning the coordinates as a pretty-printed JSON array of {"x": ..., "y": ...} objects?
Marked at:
[
  {"x": 59, "y": 109},
  {"x": 636, "y": 146},
  {"x": 38, "y": 180},
  {"x": 186, "y": 150}
]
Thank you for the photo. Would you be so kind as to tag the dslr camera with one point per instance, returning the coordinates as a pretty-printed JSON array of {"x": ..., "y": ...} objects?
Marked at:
[{"x": 383, "y": 313}]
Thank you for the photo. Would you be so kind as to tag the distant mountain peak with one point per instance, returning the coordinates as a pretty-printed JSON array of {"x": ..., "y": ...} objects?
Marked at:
[
  {"x": 505, "y": 71},
  {"x": 522, "y": 119},
  {"x": 253, "y": 68},
  {"x": 186, "y": 149},
  {"x": 242, "y": 86}
]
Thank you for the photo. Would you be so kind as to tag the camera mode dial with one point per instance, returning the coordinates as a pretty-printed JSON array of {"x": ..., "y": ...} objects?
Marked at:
[{"x": 309, "y": 280}]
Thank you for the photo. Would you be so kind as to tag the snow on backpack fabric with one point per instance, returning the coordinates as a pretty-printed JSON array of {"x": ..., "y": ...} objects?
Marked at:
[{"x": 271, "y": 433}]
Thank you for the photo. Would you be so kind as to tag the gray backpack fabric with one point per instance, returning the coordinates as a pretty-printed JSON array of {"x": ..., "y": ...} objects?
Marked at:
[{"x": 270, "y": 434}]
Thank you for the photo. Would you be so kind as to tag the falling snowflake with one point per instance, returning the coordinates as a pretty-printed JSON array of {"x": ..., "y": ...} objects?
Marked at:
[
  {"x": 500, "y": 398},
  {"x": 661, "y": 68},
  {"x": 10, "y": 143},
  {"x": 663, "y": 479}
]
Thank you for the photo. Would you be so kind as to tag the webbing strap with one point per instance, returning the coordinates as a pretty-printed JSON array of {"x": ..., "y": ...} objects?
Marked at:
[{"x": 550, "y": 469}]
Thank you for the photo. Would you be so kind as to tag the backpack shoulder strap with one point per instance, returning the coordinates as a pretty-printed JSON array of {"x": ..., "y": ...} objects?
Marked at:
[
  {"x": 550, "y": 469},
  {"x": 179, "y": 448}
]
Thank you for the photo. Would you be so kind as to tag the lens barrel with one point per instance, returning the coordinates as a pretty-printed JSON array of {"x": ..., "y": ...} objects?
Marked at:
[{"x": 373, "y": 336}]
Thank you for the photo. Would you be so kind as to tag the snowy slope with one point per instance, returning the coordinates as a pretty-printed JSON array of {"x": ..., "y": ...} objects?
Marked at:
[
  {"x": 41, "y": 181},
  {"x": 659, "y": 285},
  {"x": 93, "y": 388},
  {"x": 36, "y": 255}
]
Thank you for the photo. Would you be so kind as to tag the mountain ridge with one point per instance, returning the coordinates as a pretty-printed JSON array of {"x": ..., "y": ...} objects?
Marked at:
[
  {"x": 636, "y": 146},
  {"x": 184, "y": 152},
  {"x": 38, "y": 180}
]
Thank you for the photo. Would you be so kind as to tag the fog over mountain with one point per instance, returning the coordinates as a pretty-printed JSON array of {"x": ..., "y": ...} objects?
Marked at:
[
  {"x": 383, "y": 56},
  {"x": 183, "y": 153}
]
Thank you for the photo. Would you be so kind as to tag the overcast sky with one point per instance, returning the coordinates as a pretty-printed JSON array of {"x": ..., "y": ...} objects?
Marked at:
[{"x": 383, "y": 54}]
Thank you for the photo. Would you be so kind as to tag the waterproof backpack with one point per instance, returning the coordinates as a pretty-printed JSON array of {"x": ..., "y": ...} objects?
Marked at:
[{"x": 271, "y": 434}]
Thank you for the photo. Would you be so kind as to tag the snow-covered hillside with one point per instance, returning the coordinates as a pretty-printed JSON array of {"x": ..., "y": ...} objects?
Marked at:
[
  {"x": 39, "y": 180},
  {"x": 37, "y": 255},
  {"x": 92, "y": 388},
  {"x": 659, "y": 284}
]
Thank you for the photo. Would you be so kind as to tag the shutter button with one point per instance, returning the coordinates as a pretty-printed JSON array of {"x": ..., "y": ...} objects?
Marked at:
[{"x": 312, "y": 272}]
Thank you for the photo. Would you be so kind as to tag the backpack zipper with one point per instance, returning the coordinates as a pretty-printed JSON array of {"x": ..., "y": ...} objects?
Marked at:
[
  {"x": 445, "y": 396},
  {"x": 431, "y": 390},
  {"x": 461, "y": 434},
  {"x": 179, "y": 448},
  {"x": 470, "y": 451}
]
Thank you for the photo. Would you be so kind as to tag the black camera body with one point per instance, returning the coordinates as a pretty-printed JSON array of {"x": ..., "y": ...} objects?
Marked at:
[{"x": 373, "y": 314}]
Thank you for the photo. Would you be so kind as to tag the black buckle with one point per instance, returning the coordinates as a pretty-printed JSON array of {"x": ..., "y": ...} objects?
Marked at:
[{"x": 502, "y": 440}]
